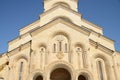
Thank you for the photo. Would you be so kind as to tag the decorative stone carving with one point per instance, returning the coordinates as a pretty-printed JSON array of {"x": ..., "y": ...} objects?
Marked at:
[{"x": 60, "y": 55}]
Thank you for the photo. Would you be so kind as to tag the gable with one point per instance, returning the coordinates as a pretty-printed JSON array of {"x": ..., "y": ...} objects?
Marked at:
[
  {"x": 57, "y": 22},
  {"x": 44, "y": 34}
]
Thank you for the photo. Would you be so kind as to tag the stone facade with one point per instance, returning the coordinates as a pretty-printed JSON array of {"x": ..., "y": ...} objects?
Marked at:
[{"x": 61, "y": 45}]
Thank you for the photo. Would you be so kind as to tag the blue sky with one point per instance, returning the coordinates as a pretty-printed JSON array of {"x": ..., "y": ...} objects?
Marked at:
[{"x": 15, "y": 14}]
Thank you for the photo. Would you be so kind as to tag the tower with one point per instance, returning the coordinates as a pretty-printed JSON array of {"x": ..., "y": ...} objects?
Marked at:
[{"x": 64, "y": 9}]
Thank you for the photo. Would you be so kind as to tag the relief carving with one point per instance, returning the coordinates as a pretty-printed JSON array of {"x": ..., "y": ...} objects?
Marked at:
[{"x": 60, "y": 55}]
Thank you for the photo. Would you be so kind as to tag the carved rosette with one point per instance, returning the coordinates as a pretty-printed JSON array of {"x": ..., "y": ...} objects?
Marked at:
[{"x": 60, "y": 55}]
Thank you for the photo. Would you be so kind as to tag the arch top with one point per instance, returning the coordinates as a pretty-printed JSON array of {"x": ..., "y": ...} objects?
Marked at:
[
  {"x": 59, "y": 64},
  {"x": 60, "y": 73}
]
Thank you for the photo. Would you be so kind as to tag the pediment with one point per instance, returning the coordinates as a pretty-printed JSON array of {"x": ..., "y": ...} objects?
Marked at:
[{"x": 60, "y": 21}]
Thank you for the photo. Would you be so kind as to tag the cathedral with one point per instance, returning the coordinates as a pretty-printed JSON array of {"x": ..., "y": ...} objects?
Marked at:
[{"x": 60, "y": 45}]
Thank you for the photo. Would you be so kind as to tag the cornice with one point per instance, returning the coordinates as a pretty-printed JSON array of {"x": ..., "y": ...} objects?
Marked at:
[
  {"x": 60, "y": 20},
  {"x": 90, "y": 30},
  {"x": 3, "y": 54},
  {"x": 18, "y": 38},
  {"x": 29, "y": 25},
  {"x": 14, "y": 40},
  {"x": 101, "y": 47},
  {"x": 106, "y": 38},
  {"x": 101, "y": 36},
  {"x": 19, "y": 49},
  {"x": 60, "y": 6},
  {"x": 90, "y": 23}
]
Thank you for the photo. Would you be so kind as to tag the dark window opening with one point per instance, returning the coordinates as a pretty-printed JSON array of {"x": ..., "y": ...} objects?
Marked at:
[
  {"x": 54, "y": 48},
  {"x": 39, "y": 78},
  {"x": 60, "y": 74},
  {"x": 60, "y": 46},
  {"x": 100, "y": 70},
  {"x": 81, "y": 77},
  {"x": 65, "y": 47},
  {"x": 21, "y": 70}
]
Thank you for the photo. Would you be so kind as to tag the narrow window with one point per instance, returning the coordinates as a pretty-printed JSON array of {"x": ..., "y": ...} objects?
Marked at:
[
  {"x": 21, "y": 70},
  {"x": 54, "y": 48},
  {"x": 60, "y": 46},
  {"x": 65, "y": 47},
  {"x": 100, "y": 70}
]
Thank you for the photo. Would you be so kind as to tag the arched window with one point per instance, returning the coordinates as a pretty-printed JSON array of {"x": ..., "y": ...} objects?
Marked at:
[
  {"x": 54, "y": 48},
  {"x": 81, "y": 77},
  {"x": 21, "y": 67},
  {"x": 60, "y": 44},
  {"x": 66, "y": 48},
  {"x": 101, "y": 69}
]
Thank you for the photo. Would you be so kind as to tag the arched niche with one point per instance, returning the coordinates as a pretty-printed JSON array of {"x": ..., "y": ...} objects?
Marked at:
[
  {"x": 80, "y": 54},
  {"x": 102, "y": 63},
  {"x": 99, "y": 56},
  {"x": 21, "y": 67},
  {"x": 101, "y": 68},
  {"x": 60, "y": 74}
]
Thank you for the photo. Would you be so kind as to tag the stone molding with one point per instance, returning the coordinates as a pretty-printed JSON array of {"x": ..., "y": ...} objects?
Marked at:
[
  {"x": 101, "y": 47},
  {"x": 20, "y": 48}
]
